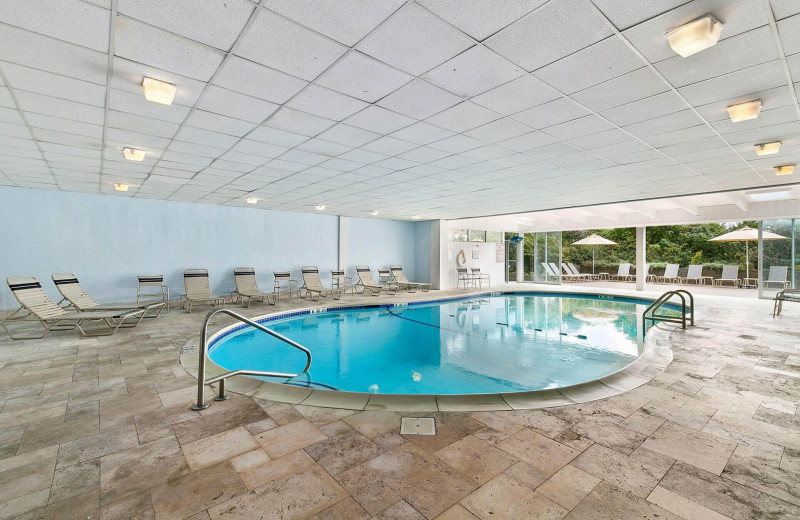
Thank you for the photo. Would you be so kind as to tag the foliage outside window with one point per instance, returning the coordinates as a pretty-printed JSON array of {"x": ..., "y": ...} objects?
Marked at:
[
  {"x": 477, "y": 236},
  {"x": 459, "y": 235},
  {"x": 494, "y": 236}
]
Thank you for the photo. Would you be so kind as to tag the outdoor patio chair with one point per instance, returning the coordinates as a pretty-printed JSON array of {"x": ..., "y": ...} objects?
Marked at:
[
  {"x": 555, "y": 271},
  {"x": 385, "y": 276},
  {"x": 367, "y": 283},
  {"x": 247, "y": 287},
  {"x": 312, "y": 285},
  {"x": 670, "y": 274},
  {"x": 549, "y": 272},
  {"x": 156, "y": 282},
  {"x": 402, "y": 281},
  {"x": 341, "y": 281},
  {"x": 730, "y": 274},
  {"x": 77, "y": 298},
  {"x": 576, "y": 276},
  {"x": 694, "y": 275},
  {"x": 284, "y": 284},
  {"x": 464, "y": 277},
  {"x": 36, "y": 306},
  {"x": 786, "y": 295},
  {"x": 778, "y": 275},
  {"x": 198, "y": 289},
  {"x": 577, "y": 272},
  {"x": 476, "y": 272},
  {"x": 623, "y": 274}
]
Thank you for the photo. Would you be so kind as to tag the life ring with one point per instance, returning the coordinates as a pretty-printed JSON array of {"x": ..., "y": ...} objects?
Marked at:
[{"x": 461, "y": 258}]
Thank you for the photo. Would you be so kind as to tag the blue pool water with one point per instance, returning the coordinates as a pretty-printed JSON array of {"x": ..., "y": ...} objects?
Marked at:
[{"x": 505, "y": 343}]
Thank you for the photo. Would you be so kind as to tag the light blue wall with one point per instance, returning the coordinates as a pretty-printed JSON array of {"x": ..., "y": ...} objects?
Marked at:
[
  {"x": 422, "y": 268},
  {"x": 107, "y": 240},
  {"x": 381, "y": 243}
]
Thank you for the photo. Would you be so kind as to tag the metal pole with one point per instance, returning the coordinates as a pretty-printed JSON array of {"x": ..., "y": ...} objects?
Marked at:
[{"x": 201, "y": 367}]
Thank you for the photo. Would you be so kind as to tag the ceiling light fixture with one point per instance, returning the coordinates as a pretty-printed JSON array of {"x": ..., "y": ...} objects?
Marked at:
[
  {"x": 415, "y": 217},
  {"x": 252, "y": 200},
  {"x": 765, "y": 196},
  {"x": 319, "y": 207},
  {"x": 786, "y": 169},
  {"x": 132, "y": 154},
  {"x": 373, "y": 212},
  {"x": 744, "y": 111},
  {"x": 768, "y": 148},
  {"x": 119, "y": 186},
  {"x": 158, "y": 91},
  {"x": 695, "y": 36}
]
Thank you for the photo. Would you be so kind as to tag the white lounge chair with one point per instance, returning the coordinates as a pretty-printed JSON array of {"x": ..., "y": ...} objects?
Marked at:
[
  {"x": 554, "y": 270},
  {"x": 550, "y": 271},
  {"x": 247, "y": 287},
  {"x": 156, "y": 281},
  {"x": 402, "y": 281},
  {"x": 312, "y": 285},
  {"x": 786, "y": 295},
  {"x": 72, "y": 292},
  {"x": 36, "y": 306},
  {"x": 464, "y": 277},
  {"x": 670, "y": 274},
  {"x": 577, "y": 272},
  {"x": 198, "y": 289},
  {"x": 623, "y": 274},
  {"x": 730, "y": 274},
  {"x": 694, "y": 275},
  {"x": 367, "y": 283},
  {"x": 778, "y": 276},
  {"x": 573, "y": 274}
]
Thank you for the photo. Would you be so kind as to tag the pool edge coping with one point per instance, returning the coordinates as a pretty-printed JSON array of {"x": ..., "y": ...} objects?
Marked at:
[{"x": 655, "y": 357}]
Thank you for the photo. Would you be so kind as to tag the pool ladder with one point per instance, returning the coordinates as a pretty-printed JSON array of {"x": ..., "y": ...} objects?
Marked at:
[
  {"x": 663, "y": 299},
  {"x": 202, "y": 382}
]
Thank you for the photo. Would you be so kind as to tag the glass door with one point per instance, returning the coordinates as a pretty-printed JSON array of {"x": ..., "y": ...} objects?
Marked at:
[
  {"x": 777, "y": 261},
  {"x": 546, "y": 257}
]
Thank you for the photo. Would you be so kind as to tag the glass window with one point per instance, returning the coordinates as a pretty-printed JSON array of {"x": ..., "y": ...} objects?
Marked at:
[
  {"x": 459, "y": 235},
  {"x": 477, "y": 236},
  {"x": 494, "y": 236}
]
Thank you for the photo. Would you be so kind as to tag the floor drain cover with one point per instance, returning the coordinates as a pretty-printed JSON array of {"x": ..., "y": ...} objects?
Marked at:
[{"x": 418, "y": 426}]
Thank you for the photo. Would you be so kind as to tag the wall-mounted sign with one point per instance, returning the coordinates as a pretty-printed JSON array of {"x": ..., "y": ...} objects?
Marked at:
[{"x": 499, "y": 252}]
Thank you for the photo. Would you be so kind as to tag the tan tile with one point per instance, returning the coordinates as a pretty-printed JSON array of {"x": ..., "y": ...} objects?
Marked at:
[
  {"x": 682, "y": 506},
  {"x": 335, "y": 428},
  {"x": 218, "y": 418},
  {"x": 347, "y": 509},
  {"x": 568, "y": 487},
  {"x": 75, "y": 480},
  {"x": 256, "y": 471},
  {"x": 22, "y": 475},
  {"x": 703, "y": 450},
  {"x": 620, "y": 470},
  {"x": 185, "y": 397},
  {"x": 197, "y": 491},
  {"x": 343, "y": 452},
  {"x": 610, "y": 434},
  {"x": 136, "y": 506},
  {"x": 475, "y": 459},
  {"x": 261, "y": 426},
  {"x": 95, "y": 446},
  {"x": 457, "y": 512},
  {"x": 367, "y": 489},
  {"x": 114, "y": 410},
  {"x": 295, "y": 496},
  {"x": 399, "y": 511},
  {"x": 320, "y": 416},
  {"x": 219, "y": 447},
  {"x": 372, "y": 424},
  {"x": 607, "y": 502},
  {"x": 291, "y": 437},
  {"x": 503, "y": 498},
  {"x": 79, "y": 507},
  {"x": 55, "y": 432},
  {"x": 544, "y": 456},
  {"x": 24, "y": 503}
]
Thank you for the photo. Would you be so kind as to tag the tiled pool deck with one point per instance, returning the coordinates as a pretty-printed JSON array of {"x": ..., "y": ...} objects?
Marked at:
[{"x": 101, "y": 428}]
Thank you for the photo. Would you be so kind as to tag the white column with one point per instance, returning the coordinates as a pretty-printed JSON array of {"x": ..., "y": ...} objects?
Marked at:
[
  {"x": 344, "y": 237},
  {"x": 641, "y": 258},
  {"x": 521, "y": 260}
]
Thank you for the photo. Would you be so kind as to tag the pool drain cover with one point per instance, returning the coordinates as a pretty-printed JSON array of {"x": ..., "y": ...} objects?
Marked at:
[{"x": 417, "y": 426}]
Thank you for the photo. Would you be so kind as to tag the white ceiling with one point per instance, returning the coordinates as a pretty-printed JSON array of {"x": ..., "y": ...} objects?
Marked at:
[{"x": 437, "y": 108}]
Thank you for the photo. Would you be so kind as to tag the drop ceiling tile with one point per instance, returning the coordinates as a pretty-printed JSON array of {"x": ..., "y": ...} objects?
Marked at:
[
  {"x": 63, "y": 125},
  {"x": 185, "y": 158},
  {"x": 344, "y": 20},
  {"x": 37, "y": 103},
  {"x": 664, "y": 124},
  {"x": 362, "y": 156},
  {"x": 129, "y": 75},
  {"x": 40, "y": 52},
  {"x": 277, "y": 137},
  {"x": 323, "y": 147},
  {"x": 639, "y": 84},
  {"x": 424, "y": 154},
  {"x": 414, "y": 40},
  {"x": 527, "y": 141},
  {"x": 648, "y": 108},
  {"x": 474, "y": 72},
  {"x": 457, "y": 144},
  {"x": 326, "y": 103},
  {"x": 552, "y": 113},
  {"x": 517, "y": 95},
  {"x": 11, "y": 115},
  {"x": 499, "y": 130},
  {"x": 463, "y": 117},
  {"x": 216, "y": 22},
  {"x": 69, "y": 20},
  {"x": 478, "y": 18},
  {"x": 762, "y": 135},
  {"x": 301, "y": 157},
  {"x": 680, "y": 136},
  {"x": 205, "y": 137},
  {"x": 784, "y": 8},
  {"x": 419, "y": 99},
  {"x": 551, "y": 151},
  {"x": 624, "y": 15},
  {"x": 377, "y": 119},
  {"x": 140, "y": 124},
  {"x": 258, "y": 148},
  {"x": 735, "y": 85},
  {"x": 341, "y": 165},
  {"x": 579, "y": 127},
  {"x": 788, "y": 29},
  {"x": 297, "y": 122},
  {"x": 239, "y": 106},
  {"x": 49, "y": 84},
  {"x": 136, "y": 104},
  {"x": 395, "y": 163},
  {"x": 766, "y": 118},
  {"x": 257, "y": 80},
  {"x": 422, "y": 133},
  {"x": 278, "y": 164},
  {"x": 737, "y": 17},
  {"x": 348, "y": 135},
  {"x": 243, "y": 158},
  {"x": 729, "y": 55},
  {"x": 152, "y": 46},
  {"x": 544, "y": 31},
  {"x": 134, "y": 139},
  {"x": 363, "y": 77},
  {"x": 196, "y": 149}
]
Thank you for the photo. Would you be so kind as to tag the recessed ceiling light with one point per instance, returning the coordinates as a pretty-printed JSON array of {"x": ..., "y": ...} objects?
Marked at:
[
  {"x": 415, "y": 217},
  {"x": 319, "y": 207},
  {"x": 158, "y": 91},
  {"x": 744, "y": 111},
  {"x": 768, "y": 148},
  {"x": 132, "y": 154},
  {"x": 252, "y": 200},
  {"x": 373, "y": 212},
  {"x": 764, "y": 196},
  {"x": 695, "y": 36},
  {"x": 120, "y": 186},
  {"x": 786, "y": 169}
]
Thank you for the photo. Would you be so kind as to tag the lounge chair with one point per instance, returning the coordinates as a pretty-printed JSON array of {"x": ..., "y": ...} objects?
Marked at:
[
  {"x": 695, "y": 275},
  {"x": 623, "y": 274},
  {"x": 402, "y": 281},
  {"x": 156, "y": 281},
  {"x": 786, "y": 295},
  {"x": 198, "y": 289},
  {"x": 670, "y": 274},
  {"x": 576, "y": 276},
  {"x": 71, "y": 291},
  {"x": 36, "y": 306},
  {"x": 577, "y": 272},
  {"x": 464, "y": 277},
  {"x": 778, "y": 275},
  {"x": 284, "y": 284},
  {"x": 341, "y": 281},
  {"x": 385, "y": 276},
  {"x": 730, "y": 274},
  {"x": 649, "y": 277},
  {"x": 556, "y": 272},
  {"x": 367, "y": 283},
  {"x": 550, "y": 271},
  {"x": 312, "y": 285},
  {"x": 247, "y": 287},
  {"x": 476, "y": 272}
]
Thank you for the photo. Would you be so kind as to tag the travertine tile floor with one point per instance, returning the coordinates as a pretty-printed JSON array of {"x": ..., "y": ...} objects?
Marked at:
[{"x": 101, "y": 428}]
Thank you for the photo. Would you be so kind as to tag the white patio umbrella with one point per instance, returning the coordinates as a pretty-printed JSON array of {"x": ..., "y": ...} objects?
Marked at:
[
  {"x": 746, "y": 235},
  {"x": 594, "y": 240}
]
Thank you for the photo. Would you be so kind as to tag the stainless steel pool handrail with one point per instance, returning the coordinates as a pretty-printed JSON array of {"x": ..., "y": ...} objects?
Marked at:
[
  {"x": 661, "y": 301},
  {"x": 202, "y": 382}
]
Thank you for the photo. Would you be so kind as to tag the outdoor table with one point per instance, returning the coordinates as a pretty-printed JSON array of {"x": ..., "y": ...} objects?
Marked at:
[{"x": 746, "y": 283}]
